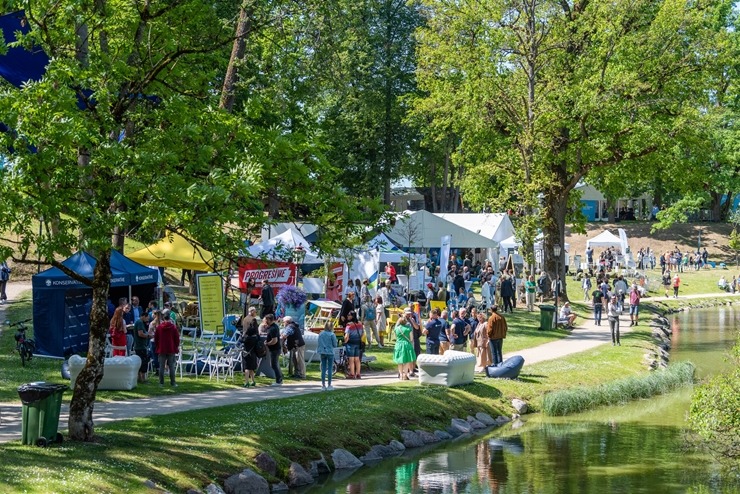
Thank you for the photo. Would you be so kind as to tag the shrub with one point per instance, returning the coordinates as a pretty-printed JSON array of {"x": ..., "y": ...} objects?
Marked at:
[{"x": 632, "y": 388}]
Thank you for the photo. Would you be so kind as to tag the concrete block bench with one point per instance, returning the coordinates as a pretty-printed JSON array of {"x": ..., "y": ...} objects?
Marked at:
[
  {"x": 118, "y": 373},
  {"x": 451, "y": 369}
]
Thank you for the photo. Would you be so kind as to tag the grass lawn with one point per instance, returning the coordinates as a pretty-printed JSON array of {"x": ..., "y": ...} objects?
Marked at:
[
  {"x": 191, "y": 449},
  {"x": 523, "y": 333}
]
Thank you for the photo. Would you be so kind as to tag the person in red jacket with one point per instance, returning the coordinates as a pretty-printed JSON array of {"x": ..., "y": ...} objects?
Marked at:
[{"x": 167, "y": 339}]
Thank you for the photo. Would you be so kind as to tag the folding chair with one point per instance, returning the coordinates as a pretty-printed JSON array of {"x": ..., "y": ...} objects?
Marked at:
[{"x": 187, "y": 358}]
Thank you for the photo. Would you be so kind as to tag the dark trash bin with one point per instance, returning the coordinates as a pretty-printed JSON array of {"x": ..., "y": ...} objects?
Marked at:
[
  {"x": 42, "y": 404},
  {"x": 547, "y": 316}
]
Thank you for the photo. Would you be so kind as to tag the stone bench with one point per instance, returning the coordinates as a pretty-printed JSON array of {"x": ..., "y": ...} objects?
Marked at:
[
  {"x": 118, "y": 373},
  {"x": 451, "y": 369}
]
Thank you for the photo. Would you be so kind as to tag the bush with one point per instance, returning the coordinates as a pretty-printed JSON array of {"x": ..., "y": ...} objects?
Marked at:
[
  {"x": 632, "y": 388},
  {"x": 715, "y": 414}
]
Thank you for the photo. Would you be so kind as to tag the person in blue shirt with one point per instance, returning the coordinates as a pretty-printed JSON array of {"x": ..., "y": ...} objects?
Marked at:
[
  {"x": 326, "y": 345},
  {"x": 460, "y": 330},
  {"x": 432, "y": 330}
]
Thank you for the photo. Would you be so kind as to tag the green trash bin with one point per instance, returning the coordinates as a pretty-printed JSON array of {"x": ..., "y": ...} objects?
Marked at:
[
  {"x": 547, "y": 316},
  {"x": 42, "y": 404}
]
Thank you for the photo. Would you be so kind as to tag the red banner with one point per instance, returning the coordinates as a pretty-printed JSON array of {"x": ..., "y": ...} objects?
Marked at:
[
  {"x": 279, "y": 273},
  {"x": 334, "y": 287}
]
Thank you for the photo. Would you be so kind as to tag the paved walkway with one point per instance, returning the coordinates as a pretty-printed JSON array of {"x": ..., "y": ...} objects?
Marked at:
[{"x": 584, "y": 337}]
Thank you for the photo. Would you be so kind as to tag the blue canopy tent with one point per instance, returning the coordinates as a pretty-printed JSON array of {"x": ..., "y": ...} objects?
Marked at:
[{"x": 61, "y": 305}]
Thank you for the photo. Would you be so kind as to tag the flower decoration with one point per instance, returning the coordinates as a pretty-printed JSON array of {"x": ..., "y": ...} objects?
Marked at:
[{"x": 291, "y": 296}]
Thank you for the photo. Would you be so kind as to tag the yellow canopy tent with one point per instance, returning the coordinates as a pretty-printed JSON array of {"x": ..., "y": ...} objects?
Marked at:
[{"x": 173, "y": 251}]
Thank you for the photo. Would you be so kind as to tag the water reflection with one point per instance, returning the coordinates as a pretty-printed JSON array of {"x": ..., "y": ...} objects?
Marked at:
[{"x": 635, "y": 448}]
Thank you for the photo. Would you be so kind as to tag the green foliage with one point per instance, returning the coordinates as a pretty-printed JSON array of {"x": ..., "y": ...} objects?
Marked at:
[
  {"x": 715, "y": 413},
  {"x": 575, "y": 400}
]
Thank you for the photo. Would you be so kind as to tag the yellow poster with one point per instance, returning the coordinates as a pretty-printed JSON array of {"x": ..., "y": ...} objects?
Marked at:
[{"x": 211, "y": 301}]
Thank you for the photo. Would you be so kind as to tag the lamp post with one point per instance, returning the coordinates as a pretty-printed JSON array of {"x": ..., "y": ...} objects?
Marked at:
[
  {"x": 556, "y": 252},
  {"x": 299, "y": 254}
]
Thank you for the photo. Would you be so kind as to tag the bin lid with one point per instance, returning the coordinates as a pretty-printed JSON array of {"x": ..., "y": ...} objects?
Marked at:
[
  {"x": 546, "y": 307},
  {"x": 37, "y": 391}
]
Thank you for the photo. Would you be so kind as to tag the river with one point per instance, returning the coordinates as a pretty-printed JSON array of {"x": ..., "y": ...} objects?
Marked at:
[{"x": 636, "y": 448}]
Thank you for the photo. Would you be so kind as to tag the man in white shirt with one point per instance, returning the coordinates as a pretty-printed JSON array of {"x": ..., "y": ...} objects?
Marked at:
[{"x": 566, "y": 315}]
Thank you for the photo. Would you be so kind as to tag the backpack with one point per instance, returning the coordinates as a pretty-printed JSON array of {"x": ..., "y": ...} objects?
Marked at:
[{"x": 260, "y": 349}]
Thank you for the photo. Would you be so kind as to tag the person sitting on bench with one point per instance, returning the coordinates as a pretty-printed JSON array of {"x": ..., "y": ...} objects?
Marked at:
[{"x": 566, "y": 316}]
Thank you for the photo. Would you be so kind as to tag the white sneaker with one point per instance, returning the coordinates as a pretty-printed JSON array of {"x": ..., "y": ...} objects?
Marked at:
[
  {"x": 330, "y": 388},
  {"x": 323, "y": 388},
  {"x": 276, "y": 384}
]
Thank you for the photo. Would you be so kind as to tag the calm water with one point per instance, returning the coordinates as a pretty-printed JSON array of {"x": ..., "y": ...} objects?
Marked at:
[{"x": 634, "y": 448}]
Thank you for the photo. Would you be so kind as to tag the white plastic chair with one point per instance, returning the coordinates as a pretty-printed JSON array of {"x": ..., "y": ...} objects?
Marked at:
[{"x": 185, "y": 358}]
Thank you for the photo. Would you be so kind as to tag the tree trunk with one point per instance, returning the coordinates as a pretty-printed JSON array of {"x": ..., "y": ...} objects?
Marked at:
[
  {"x": 237, "y": 54},
  {"x": 81, "y": 426},
  {"x": 433, "y": 185},
  {"x": 445, "y": 178},
  {"x": 555, "y": 209}
]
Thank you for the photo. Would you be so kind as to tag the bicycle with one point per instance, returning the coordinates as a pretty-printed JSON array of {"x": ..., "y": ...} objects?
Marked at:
[{"x": 23, "y": 345}]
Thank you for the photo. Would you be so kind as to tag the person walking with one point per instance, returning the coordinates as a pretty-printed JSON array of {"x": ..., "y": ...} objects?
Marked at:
[
  {"x": 586, "y": 285},
  {"x": 4, "y": 278},
  {"x": 497, "y": 329},
  {"x": 368, "y": 314},
  {"x": 325, "y": 348},
  {"x": 141, "y": 343},
  {"x": 598, "y": 301},
  {"x": 267, "y": 297},
  {"x": 168, "y": 346},
  {"x": 676, "y": 284},
  {"x": 613, "y": 312},
  {"x": 634, "y": 305},
  {"x": 507, "y": 292}
]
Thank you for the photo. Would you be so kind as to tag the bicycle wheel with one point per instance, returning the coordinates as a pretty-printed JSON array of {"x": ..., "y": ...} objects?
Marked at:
[{"x": 22, "y": 351}]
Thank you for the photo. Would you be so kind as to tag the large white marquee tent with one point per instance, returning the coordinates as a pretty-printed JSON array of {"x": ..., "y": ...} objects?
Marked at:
[{"x": 424, "y": 230}]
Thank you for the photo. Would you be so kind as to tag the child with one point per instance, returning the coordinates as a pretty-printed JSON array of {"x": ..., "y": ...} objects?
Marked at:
[{"x": 327, "y": 344}]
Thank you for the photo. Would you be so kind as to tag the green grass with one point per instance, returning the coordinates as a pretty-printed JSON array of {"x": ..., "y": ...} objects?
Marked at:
[
  {"x": 191, "y": 449},
  {"x": 523, "y": 333},
  {"x": 566, "y": 402}
]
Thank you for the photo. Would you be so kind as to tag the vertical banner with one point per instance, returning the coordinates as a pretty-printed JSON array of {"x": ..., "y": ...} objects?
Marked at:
[
  {"x": 365, "y": 267},
  {"x": 444, "y": 257},
  {"x": 279, "y": 273},
  {"x": 335, "y": 288},
  {"x": 211, "y": 301}
]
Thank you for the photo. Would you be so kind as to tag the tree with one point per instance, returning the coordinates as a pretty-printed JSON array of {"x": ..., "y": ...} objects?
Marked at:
[
  {"x": 368, "y": 70},
  {"x": 124, "y": 133},
  {"x": 551, "y": 91},
  {"x": 715, "y": 413}
]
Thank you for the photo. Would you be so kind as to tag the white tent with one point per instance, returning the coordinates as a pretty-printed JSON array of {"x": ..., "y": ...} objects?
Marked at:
[
  {"x": 424, "y": 230},
  {"x": 270, "y": 231},
  {"x": 604, "y": 239},
  {"x": 513, "y": 243},
  {"x": 496, "y": 226},
  {"x": 388, "y": 250},
  {"x": 282, "y": 247}
]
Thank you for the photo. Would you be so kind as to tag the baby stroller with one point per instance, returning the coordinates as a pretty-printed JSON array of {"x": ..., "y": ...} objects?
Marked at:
[{"x": 341, "y": 361}]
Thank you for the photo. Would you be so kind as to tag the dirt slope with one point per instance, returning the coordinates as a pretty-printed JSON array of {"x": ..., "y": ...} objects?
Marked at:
[{"x": 714, "y": 237}]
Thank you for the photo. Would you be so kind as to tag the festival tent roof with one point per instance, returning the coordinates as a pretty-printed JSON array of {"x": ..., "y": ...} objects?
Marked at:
[
  {"x": 307, "y": 230},
  {"x": 282, "y": 247},
  {"x": 124, "y": 272},
  {"x": 422, "y": 229},
  {"x": 513, "y": 243},
  {"x": 604, "y": 239},
  {"x": 174, "y": 251},
  {"x": 20, "y": 65},
  {"x": 496, "y": 226}
]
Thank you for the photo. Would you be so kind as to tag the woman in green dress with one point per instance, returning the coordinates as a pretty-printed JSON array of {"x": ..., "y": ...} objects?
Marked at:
[{"x": 403, "y": 353}]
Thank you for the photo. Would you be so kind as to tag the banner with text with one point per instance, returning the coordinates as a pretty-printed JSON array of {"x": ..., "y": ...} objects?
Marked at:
[
  {"x": 211, "y": 301},
  {"x": 279, "y": 273},
  {"x": 444, "y": 257}
]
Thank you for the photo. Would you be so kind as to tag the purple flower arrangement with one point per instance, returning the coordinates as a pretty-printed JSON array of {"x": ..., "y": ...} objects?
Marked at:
[{"x": 291, "y": 296}]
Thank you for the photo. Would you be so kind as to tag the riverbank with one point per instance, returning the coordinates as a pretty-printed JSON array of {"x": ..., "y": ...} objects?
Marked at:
[{"x": 190, "y": 449}]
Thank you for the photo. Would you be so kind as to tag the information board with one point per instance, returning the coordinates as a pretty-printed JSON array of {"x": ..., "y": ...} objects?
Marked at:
[{"x": 210, "y": 301}]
